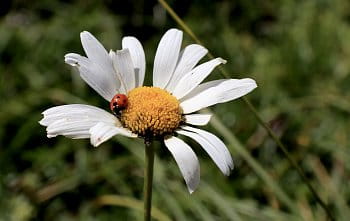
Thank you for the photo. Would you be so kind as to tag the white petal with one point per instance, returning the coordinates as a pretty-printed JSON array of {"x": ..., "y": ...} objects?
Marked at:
[
  {"x": 102, "y": 131},
  {"x": 198, "y": 119},
  {"x": 125, "y": 67},
  {"x": 188, "y": 58},
  {"x": 96, "y": 52},
  {"x": 195, "y": 77},
  {"x": 122, "y": 88},
  {"x": 74, "y": 120},
  {"x": 76, "y": 129},
  {"x": 102, "y": 82},
  {"x": 187, "y": 161},
  {"x": 138, "y": 58},
  {"x": 76, "y": 111},
  {"x": 222, "y": 91},
  {"x": 202, "y": 87},
  {"x": 214, "y": 154},
  {"x": 166, "y": 57},
  {"x": 216, "y": 143}
]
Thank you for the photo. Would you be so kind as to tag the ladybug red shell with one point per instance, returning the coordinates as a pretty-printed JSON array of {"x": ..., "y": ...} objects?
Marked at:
[{"x": 118, "y": 103}]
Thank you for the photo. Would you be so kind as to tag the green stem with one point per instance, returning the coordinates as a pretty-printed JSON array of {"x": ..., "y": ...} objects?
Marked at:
[
  {"x": 148, "y": 180},
  {"x": 290, "y": 159},
  {"x": 255, "y": 113},
  {"x": 233, "y": 143}
]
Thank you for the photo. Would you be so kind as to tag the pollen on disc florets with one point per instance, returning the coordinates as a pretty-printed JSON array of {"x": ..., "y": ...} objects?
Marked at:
[{"x": 151, "y": 112}]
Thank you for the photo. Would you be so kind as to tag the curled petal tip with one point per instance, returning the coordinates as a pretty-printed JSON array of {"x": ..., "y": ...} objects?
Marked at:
[
  {"x": 223, "y": 61},
  {"x": 84, "y": 33},
  {"x": 41, "y": 122}
]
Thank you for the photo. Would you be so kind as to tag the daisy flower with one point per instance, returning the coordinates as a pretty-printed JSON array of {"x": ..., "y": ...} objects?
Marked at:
[{"x": 160, "y": 112}]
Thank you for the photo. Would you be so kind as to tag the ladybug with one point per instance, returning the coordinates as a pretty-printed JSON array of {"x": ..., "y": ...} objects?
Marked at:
[{"x": 118, "y": 103}]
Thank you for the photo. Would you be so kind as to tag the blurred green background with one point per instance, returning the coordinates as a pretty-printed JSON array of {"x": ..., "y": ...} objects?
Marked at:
[{"x": 297, "y": 51}]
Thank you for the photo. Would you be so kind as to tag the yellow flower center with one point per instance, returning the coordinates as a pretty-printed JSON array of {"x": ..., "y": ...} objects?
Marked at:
[{"x": 151, "y": 112}]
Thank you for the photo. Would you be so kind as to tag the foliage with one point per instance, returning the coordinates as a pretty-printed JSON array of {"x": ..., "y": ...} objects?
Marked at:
[{"x": 297, "y": 51}]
